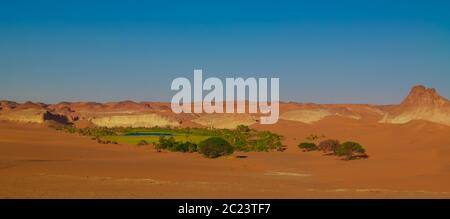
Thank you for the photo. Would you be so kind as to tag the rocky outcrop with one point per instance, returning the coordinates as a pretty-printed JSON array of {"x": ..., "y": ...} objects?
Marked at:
[
  {"x": 24, "y": 115},
  {"x": 7, "y": 105},
  {"x": 32, "y": 115},
  {"x": 421, "y": 104}
]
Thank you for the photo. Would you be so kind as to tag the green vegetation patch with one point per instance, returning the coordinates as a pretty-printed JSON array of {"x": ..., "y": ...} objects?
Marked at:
[
  {"x": 349, "y": 150},
  {"x": 305, "y": 146},
  {"x": 242, "y": 138},
  {"x": 215, "y": 147}
]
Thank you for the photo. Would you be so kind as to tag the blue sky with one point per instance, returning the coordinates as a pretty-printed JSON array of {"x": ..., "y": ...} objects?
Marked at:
[{"x": 322, "y": 51}]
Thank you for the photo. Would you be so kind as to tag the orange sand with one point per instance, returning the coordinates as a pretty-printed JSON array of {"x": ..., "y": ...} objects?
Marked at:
[{"x": 408, "y": 161}]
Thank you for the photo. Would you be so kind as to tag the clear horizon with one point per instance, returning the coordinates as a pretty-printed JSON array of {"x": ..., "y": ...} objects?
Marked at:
[{"x": 323, "y": 52}]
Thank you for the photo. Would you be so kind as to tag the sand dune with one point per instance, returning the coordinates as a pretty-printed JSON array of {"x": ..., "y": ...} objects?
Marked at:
[
  {"x": 409, "y": 160},
  {"x": 409, "y": 153},
  {"x": 306, "y": 116}
]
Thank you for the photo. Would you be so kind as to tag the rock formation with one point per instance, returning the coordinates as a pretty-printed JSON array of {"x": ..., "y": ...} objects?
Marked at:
[{"x": 421, "y": 104}]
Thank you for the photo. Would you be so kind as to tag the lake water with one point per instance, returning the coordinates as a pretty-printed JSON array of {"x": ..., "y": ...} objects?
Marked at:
[{"x": 150, "y": 134}]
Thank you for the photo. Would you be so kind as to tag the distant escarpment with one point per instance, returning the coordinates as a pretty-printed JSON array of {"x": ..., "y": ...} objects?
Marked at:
[
  {"x": 28, "y": 112},
  {"x": 421, "y": 104}
]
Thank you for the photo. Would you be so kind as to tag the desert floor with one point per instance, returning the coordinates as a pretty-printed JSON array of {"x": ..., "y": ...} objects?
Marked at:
[{"x": 406, "y": 161}]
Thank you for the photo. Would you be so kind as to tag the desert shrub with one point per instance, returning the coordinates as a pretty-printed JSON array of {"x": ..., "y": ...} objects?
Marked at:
[
  {"x": 244, "y": 138},
  {"x": 306, "y": 146},
  {"x": 101, "y": 141},
  {"x": 172, "y": 145},
  {"x": 142, "y": 143},
  {"x": 329, "y": 145},
  {"x": 63, "y": 127},
  {"x": 191, "y": 147},
  {"x": 238, "y": 137},
  {"x": 157, "y": 146},
  {"x": 96, "y": 131},
  {"x": 240, "y": 143},
  {"x": 180, "y": 147},
  {"x": 350, "y": 150},
  {"x": 215, "y": 147},
  {"x": 267, "y": 141},
  {"x": 242, "y": 128},
  {"x": 165, "y": 143}
]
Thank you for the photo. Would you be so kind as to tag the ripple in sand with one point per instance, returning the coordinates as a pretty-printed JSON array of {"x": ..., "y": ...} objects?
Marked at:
[{"x": 287, "y": 174}]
